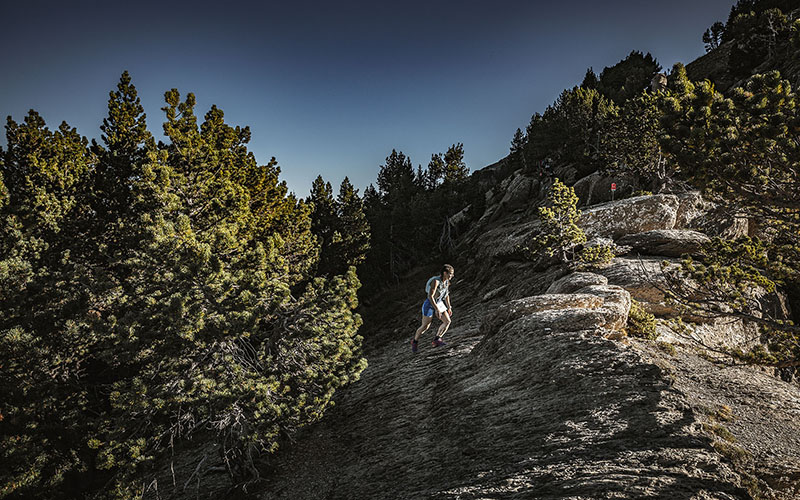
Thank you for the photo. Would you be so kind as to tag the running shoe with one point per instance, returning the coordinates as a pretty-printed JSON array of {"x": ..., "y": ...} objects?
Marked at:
[
  {"x": 414, "y": 346},
  {"x": 438, "y": 342}
]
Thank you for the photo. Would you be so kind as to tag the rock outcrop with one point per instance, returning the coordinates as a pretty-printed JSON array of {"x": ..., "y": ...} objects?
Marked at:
[
  {"x": 667, "y": 242},
  {"x": 716, "y": 222},
  {"x": 643, "y": 278},
  {"x": 715, "y": 335},
  {"x": 594, "y": 306},
  {"x": 575, "y": 281},
  {"x": 542, "y": 407},
  {"x": 631, "y": 215},
  {"x": 513, "y": 194}
]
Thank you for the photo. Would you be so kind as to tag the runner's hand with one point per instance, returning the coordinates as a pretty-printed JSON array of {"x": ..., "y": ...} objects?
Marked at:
[{"x": 450, "y": 312}]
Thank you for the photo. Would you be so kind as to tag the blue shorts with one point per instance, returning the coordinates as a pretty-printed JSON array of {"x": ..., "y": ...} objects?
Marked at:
[{"x": 427, "y": 308}]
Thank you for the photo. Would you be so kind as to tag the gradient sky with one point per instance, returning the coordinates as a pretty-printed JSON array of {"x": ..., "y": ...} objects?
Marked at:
[{"x": 331, "y": 87}]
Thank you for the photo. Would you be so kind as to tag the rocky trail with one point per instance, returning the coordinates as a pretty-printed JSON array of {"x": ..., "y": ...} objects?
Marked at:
[{"x": 541, "y": 395}]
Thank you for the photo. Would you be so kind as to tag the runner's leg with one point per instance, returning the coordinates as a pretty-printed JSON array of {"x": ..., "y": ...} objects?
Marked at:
[
  {"x": 444, "y": 326},
  {"x": 426, "y": 323}
]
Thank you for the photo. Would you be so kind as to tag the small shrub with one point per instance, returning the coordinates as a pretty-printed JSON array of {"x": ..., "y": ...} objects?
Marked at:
[
  {"x": 596, "y": 256},
  {"x": 641, "y": 323},
  {"x": 720, "y": 431},
  {"x": 732, "y": 452},
  {"x": 667, "y": 348}
]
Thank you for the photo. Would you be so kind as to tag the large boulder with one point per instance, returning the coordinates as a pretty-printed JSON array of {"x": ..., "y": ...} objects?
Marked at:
[
  {"x": 514, "y": 194},
  {"x": 704, "y": 216},
  {"x": 529, "y": 305},
  {"x": 576, "y": 281},
  {"x": 535, "y": 282},
  {"x": 601, "y": 307},
  {"x": 644, "y": 280},
  {"x": 567, "y": 174},
  {"x": 667, "y": 242},
  {"x": 632, "y": 215}
]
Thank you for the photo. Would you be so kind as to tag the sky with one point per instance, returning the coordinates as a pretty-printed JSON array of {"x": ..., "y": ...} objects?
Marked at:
[{"x": 330, "y": 88}]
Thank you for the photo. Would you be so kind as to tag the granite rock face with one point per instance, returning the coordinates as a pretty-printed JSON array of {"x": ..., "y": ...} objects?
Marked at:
[
  {"x": 574, "y": 281},
  {"x": 594, "y": 306},
  {"x": 717, "y": 334},
  {"x": 516, "y": 192},
  {"x": 629, "y": 216},
  {"x": 643, "y": 278},
  {"x": 499, "y": 241},
  {"x": 610, "y": 220},
  {"x": 667, "y": 242},
  {"x": 519, "y": 191}
]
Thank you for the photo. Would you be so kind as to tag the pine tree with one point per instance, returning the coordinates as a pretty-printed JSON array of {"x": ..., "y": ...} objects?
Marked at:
[
  {"x": 341, "y": 226},
  {"x": 518, "y": 142},
  {"x": 375, "y": 211},
  {"x": 590, "y": 80},
  {"x": 353, "y": 228},
  {"x": 560, "y": 232},
  {"x": 455, "y": 169},
  {"x": 517, "y": 151},
  {"x": 396, "y": 177},
  {"x": 571, "y": 130},
  {"x": 632, "y": 145},
  {"x": 126, "y": 141},
  {"x": 421, "y": 178},
  {"x": 435, "y": 172},
  {"x": 45, "y": 292},
  {"x": 543, "y": 141},
  {"x": 324, "y": 222},
  {"x": 394, "y": 222},
  {"x": 763, "y": 39},
  {"x": 712, "y": 38}
]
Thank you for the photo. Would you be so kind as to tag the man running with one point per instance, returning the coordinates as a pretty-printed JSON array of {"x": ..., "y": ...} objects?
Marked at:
[{"x": 437, "y": 302}]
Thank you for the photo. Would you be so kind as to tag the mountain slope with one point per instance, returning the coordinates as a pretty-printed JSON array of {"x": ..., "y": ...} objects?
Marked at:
[{"x": 541, "y": 396}]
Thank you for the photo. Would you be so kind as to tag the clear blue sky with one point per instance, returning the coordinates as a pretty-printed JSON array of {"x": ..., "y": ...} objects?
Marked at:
[{"x": 331, "y": 87}]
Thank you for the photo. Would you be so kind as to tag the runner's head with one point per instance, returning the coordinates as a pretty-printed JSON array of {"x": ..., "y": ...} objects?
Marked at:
[{"x": 448, "y": 272}]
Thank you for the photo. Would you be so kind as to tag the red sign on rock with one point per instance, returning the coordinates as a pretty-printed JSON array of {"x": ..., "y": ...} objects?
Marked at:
[{"x": 613, "y": 186}]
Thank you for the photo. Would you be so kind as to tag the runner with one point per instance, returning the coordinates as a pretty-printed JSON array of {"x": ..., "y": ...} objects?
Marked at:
[{"x": 437, "y": 302}]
